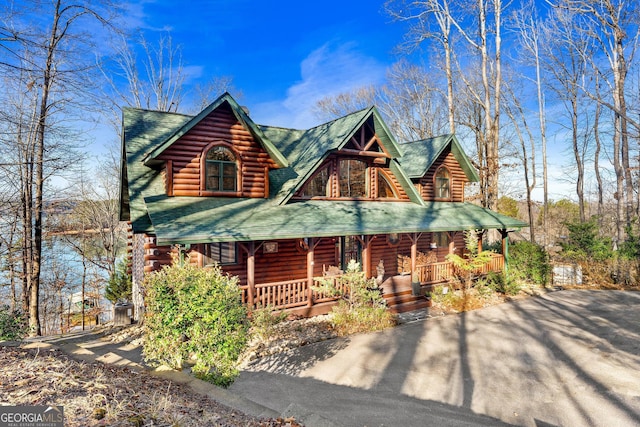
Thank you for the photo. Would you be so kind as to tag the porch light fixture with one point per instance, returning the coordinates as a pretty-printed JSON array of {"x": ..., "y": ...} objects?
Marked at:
[{"x": 393, "y": 239}]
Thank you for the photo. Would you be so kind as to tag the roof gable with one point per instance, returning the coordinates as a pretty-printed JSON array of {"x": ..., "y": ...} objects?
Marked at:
[
  {"x": 419, "y": 156},
  {"x": 307, "y": 150},
  {"x": 242, "y": 117}
]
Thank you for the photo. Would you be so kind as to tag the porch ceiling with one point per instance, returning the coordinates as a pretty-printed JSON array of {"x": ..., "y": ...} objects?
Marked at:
[{"x": 199, "y": 220}]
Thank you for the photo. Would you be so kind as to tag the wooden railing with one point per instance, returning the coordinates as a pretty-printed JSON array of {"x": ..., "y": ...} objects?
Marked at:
[
  {"x": 289, "y": 293},
  {"x": 295, "y": 293},
  {"x": 440, "y": 272}
]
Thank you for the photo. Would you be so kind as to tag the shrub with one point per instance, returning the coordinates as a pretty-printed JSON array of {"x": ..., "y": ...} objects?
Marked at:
[
  {"x": 264, "y": 320},
  {"x": 529, "y": 261},
  {"x": 119, "y": 286},
  {"x": 13, "y": 324},
  {"x": 465, "y": 267},
  {"x": 461, "y": 300},
  {"x": 583, "y": 242},
  {"x": 195, "y": 315},
  {"x": 362, "y": 308},
  {"x": 504, "y": 283}
]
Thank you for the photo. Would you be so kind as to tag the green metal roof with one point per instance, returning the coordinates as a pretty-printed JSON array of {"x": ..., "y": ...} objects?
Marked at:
[
  {"x": 143, "y": 201},
  {"x": 306, "y": 150},
  {"x": 142, "y": 130},
  {"x": 200, "y": 220},
  {"x": 419, "y": 156}
]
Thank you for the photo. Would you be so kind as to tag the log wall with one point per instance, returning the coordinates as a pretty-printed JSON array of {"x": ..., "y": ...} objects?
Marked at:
[
  {"x": 290, "y": 262},
  {"x": 183, "y": 173},
  {"x": 456, "y": 184}
]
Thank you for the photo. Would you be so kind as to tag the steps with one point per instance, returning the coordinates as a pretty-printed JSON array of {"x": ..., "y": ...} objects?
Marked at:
[{"x": 402, "y": 301}]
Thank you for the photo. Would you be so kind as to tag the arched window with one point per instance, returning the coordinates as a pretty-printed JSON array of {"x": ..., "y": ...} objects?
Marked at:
[
  {"x": 443, "y": 183},
  {"x": 221, "y": 173},
  {"x": 353, "y": 178},
  {"x": 318, "y": 186},
  {"x": 385, "y": 189}
]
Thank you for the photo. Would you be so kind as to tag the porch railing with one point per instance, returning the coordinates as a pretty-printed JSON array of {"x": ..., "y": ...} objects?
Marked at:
[
  {"x": 295, "y": 293},
  {"x": 290, "y": 293},
  {"x": 440, "y": 272}
]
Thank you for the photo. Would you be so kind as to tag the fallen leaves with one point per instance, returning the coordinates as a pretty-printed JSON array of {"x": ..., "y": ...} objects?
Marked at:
[{"x": 104, "y": 395}]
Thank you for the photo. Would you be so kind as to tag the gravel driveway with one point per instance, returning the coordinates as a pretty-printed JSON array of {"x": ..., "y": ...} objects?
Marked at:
[{"x": 568, "y": 358}]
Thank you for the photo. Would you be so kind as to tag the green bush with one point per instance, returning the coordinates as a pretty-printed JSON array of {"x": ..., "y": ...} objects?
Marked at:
[
  {"x": 584, "y": 243},
  {"x": 195, "y": 315},
  {"x": 13, "y": 324},
  {"x": 504, "y": 283},
  {"x": 529, "y": 262},
  {"x": 119, "y": 284}
]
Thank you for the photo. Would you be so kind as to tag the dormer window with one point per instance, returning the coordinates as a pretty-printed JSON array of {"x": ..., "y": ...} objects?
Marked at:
[
  {"x": 319, "y": 185},
  {"x": 353, "y": 178},
  {"x": 443, "y": 183},
  {"x": 385, "y": 189},
  {"x": 221, "y": 172}
]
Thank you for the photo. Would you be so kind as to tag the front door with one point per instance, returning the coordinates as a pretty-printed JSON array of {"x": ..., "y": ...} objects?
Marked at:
[{"x": 351, "y": 249}]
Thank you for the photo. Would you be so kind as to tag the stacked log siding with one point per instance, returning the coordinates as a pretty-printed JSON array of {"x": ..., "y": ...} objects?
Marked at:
[
  {"x": 457, "y": 183},
  {"x": 183, "y": 175}
]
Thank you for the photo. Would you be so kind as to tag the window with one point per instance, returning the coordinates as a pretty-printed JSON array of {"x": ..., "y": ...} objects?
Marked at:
[
  {"x": 442, "y": 183},
  {"x": 385, "y": 189},
  {"x": 221, "y": 170},
  {"x": 441, "y": 239},
  {"x": 318, "y": 186},
  {"x": 220, "y": 253},
  {"x": 351, "y": 250},
  {"x": 352, "y": 175}
]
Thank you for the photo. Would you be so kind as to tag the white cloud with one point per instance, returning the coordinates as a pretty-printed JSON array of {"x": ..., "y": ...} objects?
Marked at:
[{"x": 327, "y": 71}]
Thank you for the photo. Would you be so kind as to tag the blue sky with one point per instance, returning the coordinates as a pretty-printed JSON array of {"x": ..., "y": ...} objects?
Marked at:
[{"x": 283, "y": 56}]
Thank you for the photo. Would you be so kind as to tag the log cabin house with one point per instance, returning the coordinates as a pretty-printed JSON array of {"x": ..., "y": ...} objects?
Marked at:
[{"x": 281, "y": 207}]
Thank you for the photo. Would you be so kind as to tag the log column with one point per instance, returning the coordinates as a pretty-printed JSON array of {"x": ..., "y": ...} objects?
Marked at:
[
  {"x": 414, "y": 252},
  {"x": 251, "y": 272},
  {"x": 505, "y": 248},
  {"x": 310, "y": 265},
  {"x": 366, "y": 254}
]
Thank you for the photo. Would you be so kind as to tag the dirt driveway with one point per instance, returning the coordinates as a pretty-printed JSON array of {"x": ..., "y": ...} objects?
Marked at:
[{"x": 569, "y": 358}]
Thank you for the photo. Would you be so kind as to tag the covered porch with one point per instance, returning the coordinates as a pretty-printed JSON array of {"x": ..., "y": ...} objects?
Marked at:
[{"x": 301, "y": 296}]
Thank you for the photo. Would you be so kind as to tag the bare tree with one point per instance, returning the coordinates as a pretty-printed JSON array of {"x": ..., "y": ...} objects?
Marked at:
[
  {"x": 516, "y": 113},
  {"x": 206, "y": 93},
  {"x": 39, "y": 55},
  {"x": 482, "y": 35},
  {"x": 412, "y": 103},
  {"x": 332, "y": 107},
  {"x": 425, "y": 15},
  {"x": 530, "y": 29},
  {"x": 611, "y": 26},
  {"x": 154, "y": 82}
]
